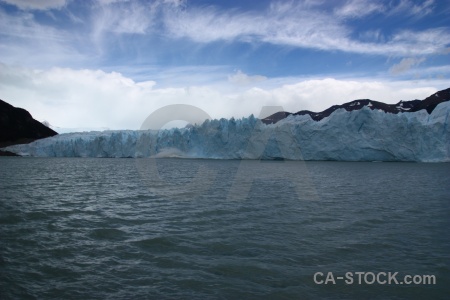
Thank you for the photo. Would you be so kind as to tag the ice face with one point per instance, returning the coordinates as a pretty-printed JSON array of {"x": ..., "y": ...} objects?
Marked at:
[{"x": 359, "y": 135}]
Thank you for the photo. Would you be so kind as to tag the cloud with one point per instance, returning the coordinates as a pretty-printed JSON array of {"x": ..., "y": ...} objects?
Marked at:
[
  {"x": 412, "y": 8},
  {"x": 241, "y": 78},
  {"x": 37, "y": 4},
  {"x": 358, "y": 9},
  {"x": 106, "y": 28},
  {"x": 362, "y": 8},
  {"x": 122, "y": 17},
  {"x": 24, "y": 26},
  {"x": 93, "y": 98},
  {"x": 405, "y": 65},
  {"x": 282, "y": 23},
  {"x": 23, "y": 38},
  {"x": 299, "y": 25},
  {"x": 107, "y": 2},
  {"x": 27, "y": 42},
  {"x": 436, "y": 71},
  {"x": 132, "y": 17}
]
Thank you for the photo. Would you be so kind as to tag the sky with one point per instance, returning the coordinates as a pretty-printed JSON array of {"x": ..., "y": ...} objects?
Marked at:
[{"x": 111, "y": 63}]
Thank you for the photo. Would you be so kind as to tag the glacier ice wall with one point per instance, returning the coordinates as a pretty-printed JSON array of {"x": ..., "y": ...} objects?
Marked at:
[{"x": 360, "y": 135}]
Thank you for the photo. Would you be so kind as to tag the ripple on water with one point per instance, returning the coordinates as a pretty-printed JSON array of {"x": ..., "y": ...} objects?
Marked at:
[
  {"x": 98, "y": 229},
  {"x": 108, "y": 234}
]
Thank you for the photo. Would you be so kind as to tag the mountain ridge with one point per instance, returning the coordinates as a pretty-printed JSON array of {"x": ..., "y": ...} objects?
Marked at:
[{"x": 429, "y": 104}]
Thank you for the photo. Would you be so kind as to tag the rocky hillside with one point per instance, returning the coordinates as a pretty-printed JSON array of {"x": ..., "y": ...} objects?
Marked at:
[
  {"x": 17, "y": 126},
  {"x": 428, "y": 104}
]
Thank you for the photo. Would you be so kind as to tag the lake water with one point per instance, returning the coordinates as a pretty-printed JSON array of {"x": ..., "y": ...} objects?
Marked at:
[{"x": 86, "y": 228}]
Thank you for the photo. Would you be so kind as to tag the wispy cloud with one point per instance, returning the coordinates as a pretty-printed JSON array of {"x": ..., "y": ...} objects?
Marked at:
[
  {"x": 412, "y": 8},
  {"x": 297, "y": 25},
  {"x": 288, "y": 24},
  {"x": 24, "y": 26},
  {"x": 358, "y": 9},
  {"x": 26, "y": 41},
  {"x": 362, "y": 8},
  {"x": 405, "y": 65},
  {"x": 37, "y": 4},
  {"x": 123, "y": 17}
]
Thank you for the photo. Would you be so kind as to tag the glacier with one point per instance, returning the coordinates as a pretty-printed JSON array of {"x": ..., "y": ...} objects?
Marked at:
[{"x": 359, "y": 135}]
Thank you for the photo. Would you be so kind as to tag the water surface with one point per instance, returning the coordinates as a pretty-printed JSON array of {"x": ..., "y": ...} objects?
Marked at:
[{"x": 216, "y": 229}]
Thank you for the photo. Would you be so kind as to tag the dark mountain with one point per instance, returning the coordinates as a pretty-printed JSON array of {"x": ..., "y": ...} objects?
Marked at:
[
  {"x": 429, "y": 104},
  {"x": 17, "y": 126}
]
